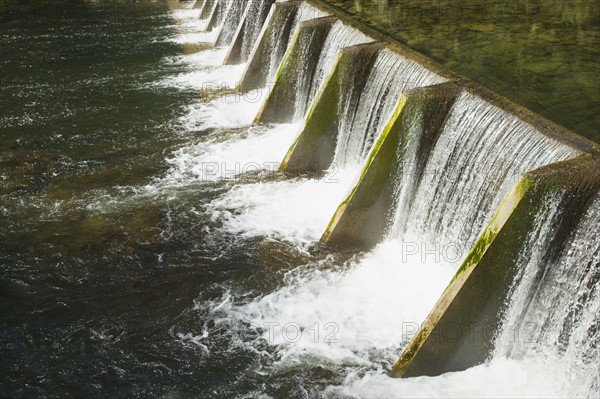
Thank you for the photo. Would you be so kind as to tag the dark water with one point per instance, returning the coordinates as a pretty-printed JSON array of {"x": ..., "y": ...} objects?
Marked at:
[
  {"x": 544, "y": 55},
  {"x": 99, "y": 274}
]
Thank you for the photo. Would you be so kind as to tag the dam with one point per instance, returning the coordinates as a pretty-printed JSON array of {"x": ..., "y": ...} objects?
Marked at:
[
  {"x": 440, "y": 161},
  {"x": 306, "y": 207}
]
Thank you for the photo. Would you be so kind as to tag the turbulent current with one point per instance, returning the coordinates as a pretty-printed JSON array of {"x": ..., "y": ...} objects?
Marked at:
[{"x": 151, "y": 247}]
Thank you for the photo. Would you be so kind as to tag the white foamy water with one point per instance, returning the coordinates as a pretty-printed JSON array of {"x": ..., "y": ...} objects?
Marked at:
[
  {"x": 187, "y": 14},
  {"x": 501, "y": 378},
  {"x": 296, "y": 210},
  {"x": 229, "y": 111},
  {"x": 227, "y": 158},
  {"x": 363, "y": 311},
  {"x": 188, "y": 21},
  {"x": 204, "y": 59},
  {"x": 221, "y": 77},
  {"x": 195, "y": 37},
  {"x": 354, "y": 318}
]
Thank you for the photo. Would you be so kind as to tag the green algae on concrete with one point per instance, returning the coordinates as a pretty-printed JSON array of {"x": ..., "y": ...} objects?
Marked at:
[
  {"x": 459, "y": 332},
  {"x": 314, "y": 149},
  {"x": 300, "y": 58},
  {"x": 279, "y": 24},
  {"x": 361, "y": 220},
  {"x": 321, "y": 113}
]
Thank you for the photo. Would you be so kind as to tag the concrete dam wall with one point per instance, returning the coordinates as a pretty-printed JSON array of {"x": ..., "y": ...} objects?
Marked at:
[{"x": 439, "y": 159}]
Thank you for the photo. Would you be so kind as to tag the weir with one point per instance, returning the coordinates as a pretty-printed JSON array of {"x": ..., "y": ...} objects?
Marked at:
[
  {"x": 248, "y": 31},
  {"x": 314, "y": 148},
  {"x": 273, "y": 42},
  {"x": 460, "y": 330},
  {"x": 442, "y": 161},
  {"x": 208, "y": 8},
  {"x": 353, "y": 106},
  {"x": 312, "y": 53},
  {"x": 230, "y": 22},
  {"x": 271, "y": 45},
  {"x": 403, "y": 146}
]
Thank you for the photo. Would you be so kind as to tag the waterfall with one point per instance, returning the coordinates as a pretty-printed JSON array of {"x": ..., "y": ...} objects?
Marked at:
[
  {"x": 553, "y": 311},
  {"x": 465, "y": 169},
  {"x": 306, "y": 12},
  {"x": 232, "y": 19},
  {"x": 362, "y": 121},
  {"x": 219, "y": 13},
  {"x": 311, "y": 55},
  {"x": 214, "y": 12},
  {"x": 208, "y": 9},
  {"x": 256, "y": 14},
  {"x": 273, "y": 41},
  {"x": 339, "y": 36},
  {"x": 278, "y": 44},
  {"x": 478, "y": 157}
]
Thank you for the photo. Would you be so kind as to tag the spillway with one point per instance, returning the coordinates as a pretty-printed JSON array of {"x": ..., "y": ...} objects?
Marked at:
[{"x": 427, "y": 161}]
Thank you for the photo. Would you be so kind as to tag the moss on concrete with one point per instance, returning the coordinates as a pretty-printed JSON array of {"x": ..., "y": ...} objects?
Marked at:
[
  {"x": 279, "y": 20},
  {"x": 361, "y": 220},
  {"x": 314, "y": 149},
  {"x": 473, "y": 303},
  {"x": 299, "y": 62}
]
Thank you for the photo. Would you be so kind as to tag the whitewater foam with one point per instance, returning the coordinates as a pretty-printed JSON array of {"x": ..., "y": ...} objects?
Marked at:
[
  {"x": 296, "y": 210},
  {"x": 224, "y": 77},
  {"x": 227, "y": 157},
  {"x": 229, "y": 111},
  {"x": 501, "y": 378},
  {"x": 359, "y": 313}
]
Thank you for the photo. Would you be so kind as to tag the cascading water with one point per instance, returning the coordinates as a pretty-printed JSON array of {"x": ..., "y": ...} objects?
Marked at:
[
  {"x": 360, "y": 124},
  {"x": 305, "y": 12},
  {"x": 278, "y": 45},
  {"x": 552, "y": 318},
  {"x": 270, "y": 202},
  {"x": 231, "y": 20},
  {"x": 175, "y": 266},
  {"x": 339, "y": 36},
  {"x": 478, "y": 157},
  {"x": 480, "y": 148},
  {"x": 208, "y": 9},
  {"x": 220, "y": 12},
  {"x": 477, "y": 137},
  {"x": 257, "y": 12}
]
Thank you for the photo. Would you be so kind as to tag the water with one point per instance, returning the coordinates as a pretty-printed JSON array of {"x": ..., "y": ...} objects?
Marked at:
[
  {"x": 220, "y": 13},
  {"x": 531, "y": 52},
  {"x": 148, "y": 248},
  {"x": 278, "y": 45},
  {"x": 390, "y": 76},
  {"x": 257, "y": 12},
  {"x": 339, "y": 36},
  {"x": 553, "y": 310},
  {"x": 231, "y": 21},
  {"x": 479, "y": 155}
]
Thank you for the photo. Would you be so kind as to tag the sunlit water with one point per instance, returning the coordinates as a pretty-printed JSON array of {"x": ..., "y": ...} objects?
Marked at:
[{"x": 150, "y": 249}]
